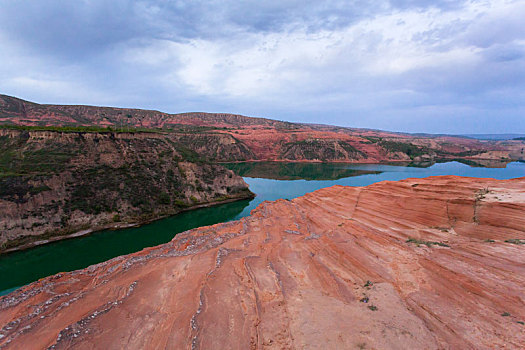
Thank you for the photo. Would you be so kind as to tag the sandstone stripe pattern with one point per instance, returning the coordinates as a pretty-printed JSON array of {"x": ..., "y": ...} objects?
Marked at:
[{"x": 433, "y": 263}]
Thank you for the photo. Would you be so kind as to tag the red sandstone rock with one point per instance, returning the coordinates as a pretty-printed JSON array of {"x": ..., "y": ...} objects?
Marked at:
[{"x": 296, "y": 274}]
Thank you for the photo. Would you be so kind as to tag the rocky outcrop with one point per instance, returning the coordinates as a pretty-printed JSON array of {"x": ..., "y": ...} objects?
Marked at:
[
  {"x": 217, "y": 147},
  {"x": 321, "y": 150},
  {"x": 56, "y": 183},
  {"x": 432, "y": 263}
]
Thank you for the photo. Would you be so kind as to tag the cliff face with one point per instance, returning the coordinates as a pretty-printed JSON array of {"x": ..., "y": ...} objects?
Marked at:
[
  {"x": 321, "y": 150},
  {"x": 55, "y": 183},
  {"x": 432, "y": 263},
  {"x": 264, "y": 139},
  {"x": 216, "y": 147}
]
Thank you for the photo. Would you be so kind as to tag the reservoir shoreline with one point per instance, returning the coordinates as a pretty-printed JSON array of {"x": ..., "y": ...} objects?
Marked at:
[
  {"x": 118, "y": 226},
  {"x": 28, "y": 265}
]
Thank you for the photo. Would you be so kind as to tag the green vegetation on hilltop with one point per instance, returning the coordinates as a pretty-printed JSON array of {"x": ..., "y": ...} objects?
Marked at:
[
  {"x": 97, "y": 129},
  {"x": 16, "y": 159},
  {"x": 169, "y": 128}
]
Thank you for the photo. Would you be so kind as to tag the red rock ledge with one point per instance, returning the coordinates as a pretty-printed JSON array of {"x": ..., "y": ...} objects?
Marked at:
[{"x": 330, "y": 270}]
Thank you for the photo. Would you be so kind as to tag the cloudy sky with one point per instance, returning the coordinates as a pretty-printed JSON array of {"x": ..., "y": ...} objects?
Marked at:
[{"x": 406, "y": 65}]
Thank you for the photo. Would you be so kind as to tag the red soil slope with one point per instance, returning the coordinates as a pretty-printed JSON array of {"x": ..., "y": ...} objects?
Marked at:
[
  {"x": 267, "y": 139},
  {"x": 330, "y": 270}
]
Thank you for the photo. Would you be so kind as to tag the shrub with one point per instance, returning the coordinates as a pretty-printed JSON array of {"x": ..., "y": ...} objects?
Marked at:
[
  {"x": 180, "y": 203},
  {"x": 515, "y": 241},
  {"x": 164, "y": 198},
  {"x": 427, "y": 243}
]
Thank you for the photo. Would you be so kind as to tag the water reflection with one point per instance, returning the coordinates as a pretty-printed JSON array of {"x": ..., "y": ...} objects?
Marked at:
[
  {"x": 295, "y": 171},
  {"x": 283, "y": 180},
  {"x": 336, "y": 171}
]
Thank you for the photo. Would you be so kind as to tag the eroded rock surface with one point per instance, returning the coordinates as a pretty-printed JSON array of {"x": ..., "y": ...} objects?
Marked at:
[{"x": 417, "y": 264}]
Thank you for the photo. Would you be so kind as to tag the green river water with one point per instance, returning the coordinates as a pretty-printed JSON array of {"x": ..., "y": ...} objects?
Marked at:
[{"x": 269, "y": 181}]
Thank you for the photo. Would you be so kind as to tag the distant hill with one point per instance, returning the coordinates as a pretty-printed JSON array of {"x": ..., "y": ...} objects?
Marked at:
[
  {"x": 495, "y": 136},
  {"x": 258, "y": 139},
  {"x": 18, "y": 111}
]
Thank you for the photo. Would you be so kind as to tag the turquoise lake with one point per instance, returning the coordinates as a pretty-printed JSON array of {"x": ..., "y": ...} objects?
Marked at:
[{"x": 269, "y": 181}]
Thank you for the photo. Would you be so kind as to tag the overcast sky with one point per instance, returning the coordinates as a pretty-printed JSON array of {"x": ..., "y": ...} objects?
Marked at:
[{"x": 403, "y": 65}]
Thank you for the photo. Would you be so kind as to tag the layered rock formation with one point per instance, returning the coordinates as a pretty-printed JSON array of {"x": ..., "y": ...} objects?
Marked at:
[
  {"x": 265, "y": 139},
  {"x": 434, "y": 263},
  {"x": 56, "y": 183}
]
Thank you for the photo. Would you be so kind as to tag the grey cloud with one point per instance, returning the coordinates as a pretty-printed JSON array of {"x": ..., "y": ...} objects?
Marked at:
[
  {"x": 83, "y": 52},
  {"x": 505, "y": 53},
  {"x": 76, "y": 28},
  {"x": 441, "y": 4},
  {"x": 70, "y": 28}
]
